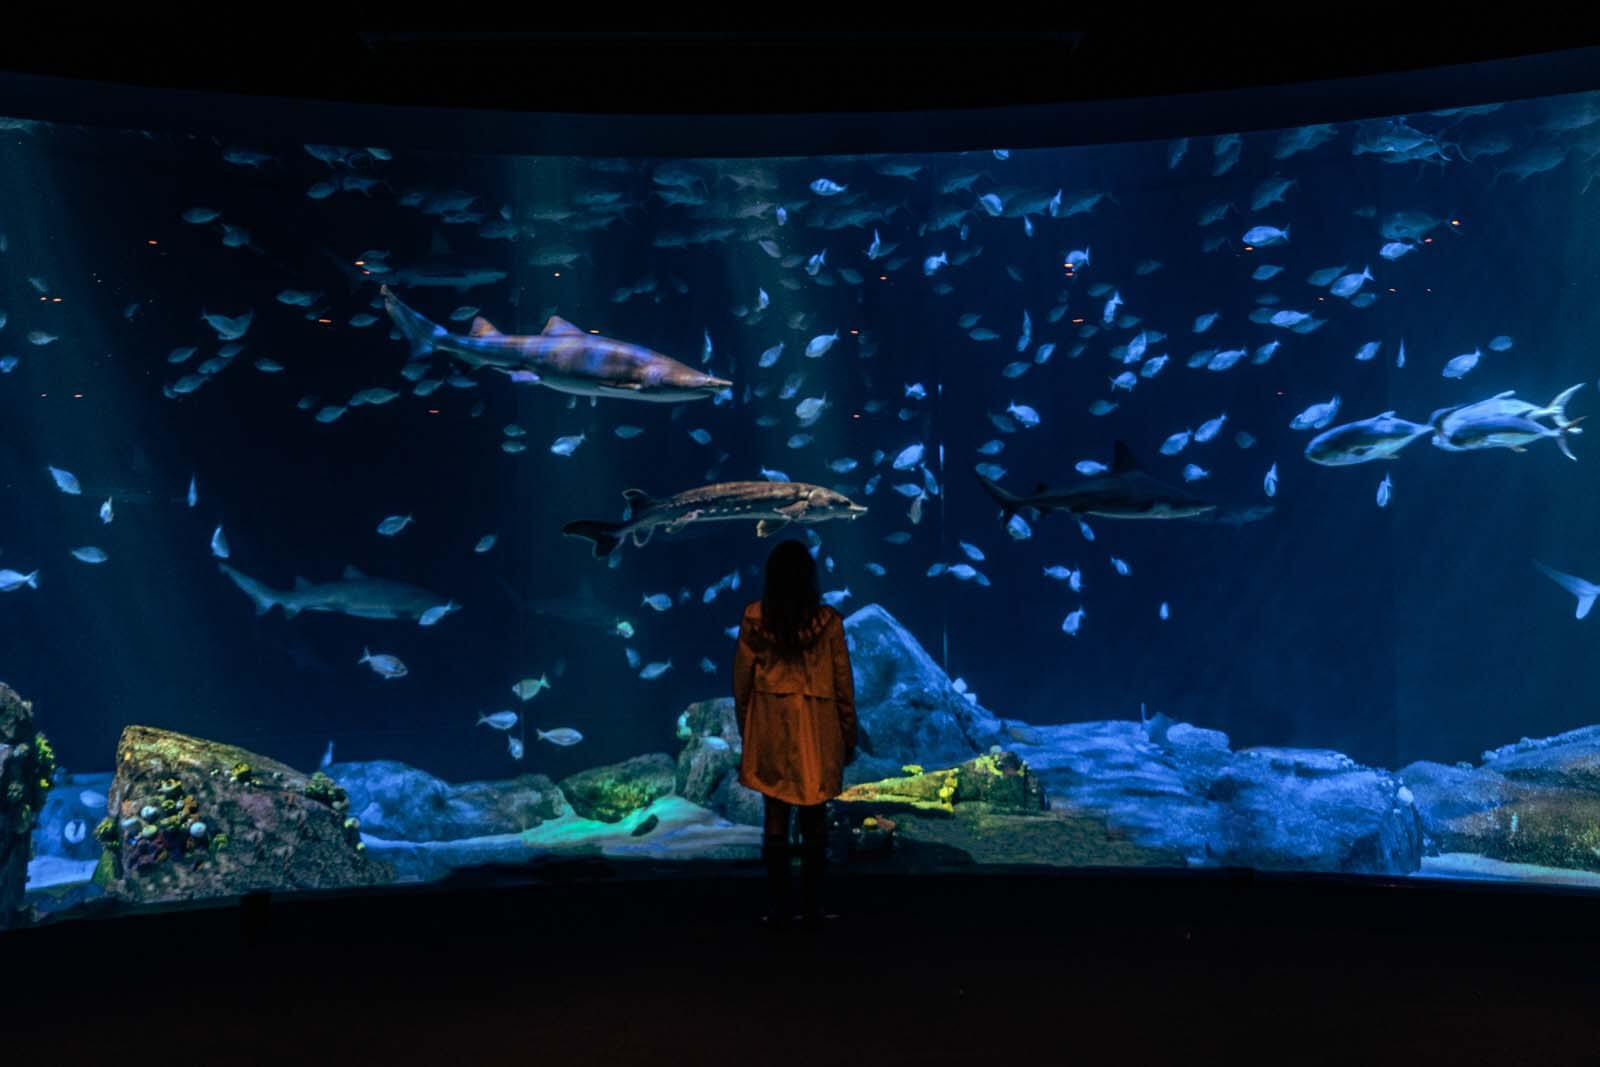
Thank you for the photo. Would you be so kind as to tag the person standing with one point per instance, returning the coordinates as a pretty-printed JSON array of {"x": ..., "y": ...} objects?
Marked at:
[{"x": 795, "y": 700}]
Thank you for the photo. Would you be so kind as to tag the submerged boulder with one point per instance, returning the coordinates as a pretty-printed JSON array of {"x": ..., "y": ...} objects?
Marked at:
[
  {"x": 908, "y": 709},
  {"x": 194, "y": 818},
  {"x": 26, "y": 768},
  {"x": 1173, "y": 786},
  {"x": 610, "y": 793},
  {"x": 402, "y": 803},
  {"x": 1536, "y": 802},
  {"x": 708, "y": 766}
]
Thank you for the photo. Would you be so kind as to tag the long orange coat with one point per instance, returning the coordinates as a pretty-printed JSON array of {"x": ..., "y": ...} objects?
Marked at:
[{"x": 797, "y": 716}]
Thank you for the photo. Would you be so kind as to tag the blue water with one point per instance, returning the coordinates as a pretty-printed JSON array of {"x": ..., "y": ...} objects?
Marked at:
[{"x": 1416, "y": 631}]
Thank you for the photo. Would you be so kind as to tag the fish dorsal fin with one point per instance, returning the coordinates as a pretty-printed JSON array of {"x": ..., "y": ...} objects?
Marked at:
[
  {"x": 1502, "y": 396},
  {"x": 1387, "y": 414},
  {"x": 351, "y": 571},
  {"x": 638, "y": 500},
  {"x": 1122, "y": 461},
  {"x": 437, "y": 245},
  {"x": 558, "y": 325},
  {"x": 300, "y": 583},
  {"x": 482, "y": 327}
]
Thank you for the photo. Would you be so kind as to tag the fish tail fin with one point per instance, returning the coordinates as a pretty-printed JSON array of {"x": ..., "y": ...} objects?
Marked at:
[
  {"x": 1557, "y": 408},
  {"x": 366, "y": 655},
  {"x": 262, "y": 597},
  {"x": 1584, "y": 591},
  {"x": 605, "y": 535},
  {"x": 419, "y": 331},
  {"x": 33, "y": 580},
  {"x": 1566, "y": 430},
  {"x": 1008, "y": 503}
]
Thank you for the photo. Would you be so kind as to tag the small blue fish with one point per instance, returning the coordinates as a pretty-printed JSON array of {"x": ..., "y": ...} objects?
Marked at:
[
  {"x": 90, "y": 554},
  {"x": 628, "y": 432},
  {"x": 1458, "y": 366},
  {"x": 106, "y": 514},
  {"x": 1073, "y": 622},
  {"x": 1500, "y": 343},
  {"x": 566, "y": 446},
  {"x": 652, "y": 671},
  {"x": 1164, "y": 612},
  {"x": 699, "y": 437},
  {"x": 1120, "y": 566},
  {"x": 65, "y": 481},
  {"x": 658, "y": 601},
  {"x": 834, "y": 597},
  {"x": 1193, "y": 472},
  {"x": 219, "y": 543},
  {"x": 972, "y": 552},
  {"x": 394, "y": 524},
  {"x": 825, "y": 187},
  {"x": 1385, "y": 489},
  {"x": 433, "y": 615},
  {"x": 1090, "y": 467},
  {"x": 1024, "y": 414},
  {"x": 384, "y": 665},
  {"x": 1270, "y": 483}
]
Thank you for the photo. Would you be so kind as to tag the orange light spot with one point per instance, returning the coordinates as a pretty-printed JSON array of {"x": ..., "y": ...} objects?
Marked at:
[
  {"x": 558, "y": 274},
  {"x": 1427, "y": 240},
  {"x": 594, "y": 331},
  {"x": 1077, "y": 322},
  {"x": 883, "y": 277},
  {"x": 433, "y": 411},
  {"x": 361, "y": 263},
  {"x": 1392, "y": 289},
  {"x": 55, "y": 300},
  {"x": 1455, "y": 222},
  {"x": 150, "y": 242},
  {"x": 77, "y": 396},
  {"x": 326, "y": 322},
  {"x": 1249, "y": 248},
  {"x": 856, "y": 415},
  {"x": 854, "y": 332}
]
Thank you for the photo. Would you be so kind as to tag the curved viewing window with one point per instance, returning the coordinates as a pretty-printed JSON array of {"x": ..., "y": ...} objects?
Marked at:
[{"x": 1222, "y": 501}]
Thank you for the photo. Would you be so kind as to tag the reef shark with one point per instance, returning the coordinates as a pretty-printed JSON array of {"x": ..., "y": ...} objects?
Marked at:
[
  {"x": 1124, "y": 492},
  {"x": 773, "y": 505},
  {"x": 354, "y": 594},
  {"x": 560, "y": 357}
]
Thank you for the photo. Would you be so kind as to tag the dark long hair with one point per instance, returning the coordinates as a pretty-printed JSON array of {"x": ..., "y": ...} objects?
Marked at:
[{"x": 792, "y": 597}]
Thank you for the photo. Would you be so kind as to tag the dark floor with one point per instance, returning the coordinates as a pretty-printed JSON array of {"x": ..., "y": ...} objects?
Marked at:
[{"x": 589, "y": 968}]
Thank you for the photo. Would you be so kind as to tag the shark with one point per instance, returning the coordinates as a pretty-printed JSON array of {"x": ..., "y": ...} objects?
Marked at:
[
  {"x": 560, "y": 357},
  {"x": 1123, "y": 492},
  {"x": 773, "y": 505},
  {"x": 354, "y": 594}
]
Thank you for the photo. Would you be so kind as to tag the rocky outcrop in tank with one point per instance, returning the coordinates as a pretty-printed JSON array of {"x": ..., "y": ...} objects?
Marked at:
[
  {"x": 26, "y": 767},
  {"x": 987, "y": 810},
  {"x": 402, "y": 803},
  {"x": 193, "y": 818},
  {"x": 708, "y": 765},
  {"x": 1536, "y": 802},
  {"x": 908, "y": 709},
  {"x": 612, "y": 792},
  {"x": 1176, "y": 787}
]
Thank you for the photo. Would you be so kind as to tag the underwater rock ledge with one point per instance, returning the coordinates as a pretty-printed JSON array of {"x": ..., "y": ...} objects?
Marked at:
[
  {"x": 26, "y": 768},
  {"x": 194, "y": 818}
]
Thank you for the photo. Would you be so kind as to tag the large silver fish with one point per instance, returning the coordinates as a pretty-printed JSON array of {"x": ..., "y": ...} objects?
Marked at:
[
  {"x": 1380, "y": 437},
  {"x": 1482, "y": 424},
  {"x": 773, "y": 505},
  {"x": 561, "y": 357},
  {"x": 1125, "y": 492},
  {"x": 354, "y": 594}
]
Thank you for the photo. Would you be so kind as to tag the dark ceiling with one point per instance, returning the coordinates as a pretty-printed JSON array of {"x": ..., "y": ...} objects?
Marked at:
[{"x": 743, "y": 72}]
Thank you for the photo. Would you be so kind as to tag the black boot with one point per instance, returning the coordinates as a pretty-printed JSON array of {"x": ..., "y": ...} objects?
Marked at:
[
  {"x": 775, "y": 854},
  {"x": 813, "y": 859}
]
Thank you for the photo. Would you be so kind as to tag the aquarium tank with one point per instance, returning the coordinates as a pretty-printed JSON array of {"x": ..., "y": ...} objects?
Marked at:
[{"x": 374, "y": 513}]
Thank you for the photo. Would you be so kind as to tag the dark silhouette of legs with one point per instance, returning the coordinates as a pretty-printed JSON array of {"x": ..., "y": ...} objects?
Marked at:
[
  {"x": 775, "y": 854},
  {"x": 813, "y": 820}
]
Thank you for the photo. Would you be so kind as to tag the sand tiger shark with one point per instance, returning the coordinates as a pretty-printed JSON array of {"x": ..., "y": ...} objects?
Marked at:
[
  {"x": 773, "y": 505},
  {"x": 560, "y": 357},
  {"x": 353, "y": 594},
  {"x": 1124, "y": 492}
]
